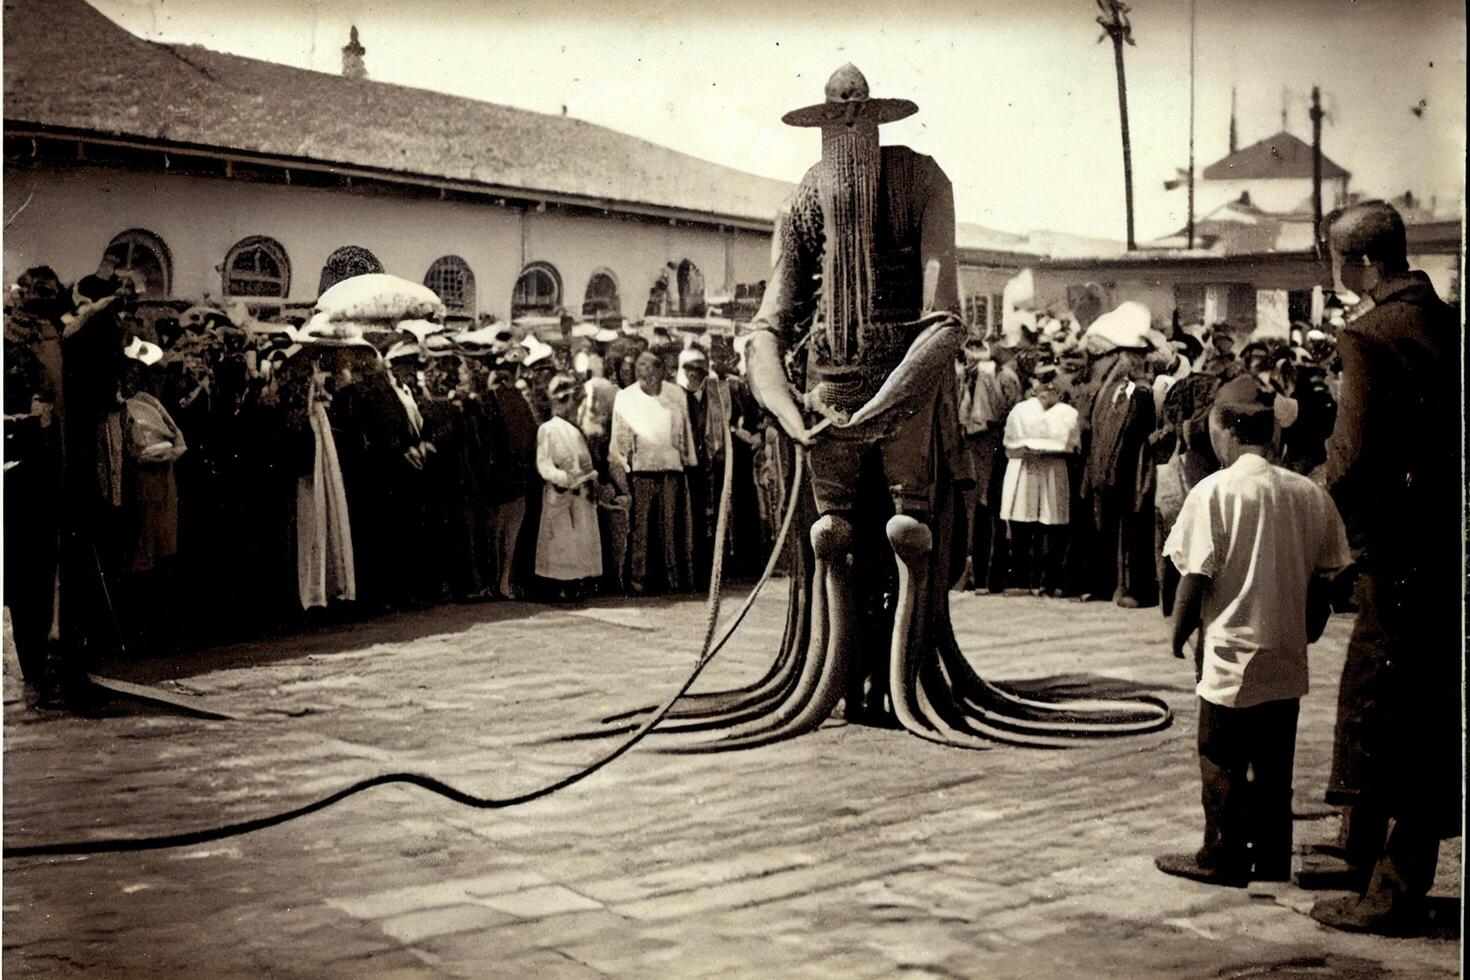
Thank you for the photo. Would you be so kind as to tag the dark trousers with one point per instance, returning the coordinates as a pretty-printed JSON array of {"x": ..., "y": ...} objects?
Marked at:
[
  {"x": 661, "y": 534},
  {"x": 1245, "y": 761},
  {"x": 1037, "y": 554}
]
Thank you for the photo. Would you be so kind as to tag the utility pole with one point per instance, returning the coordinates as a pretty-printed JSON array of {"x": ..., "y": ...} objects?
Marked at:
[
  {"x": 1316, "y": 115},
  {"x": 1115, "y": 25},
  {"x": 1190, "y": 226}
]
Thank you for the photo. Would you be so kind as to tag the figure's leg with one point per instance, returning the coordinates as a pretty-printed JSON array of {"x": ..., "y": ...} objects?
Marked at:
[
  {"x": 1272, "y": 754},
  {"x": 642, "y": 486},
  {"x": 912, "y": 542}
]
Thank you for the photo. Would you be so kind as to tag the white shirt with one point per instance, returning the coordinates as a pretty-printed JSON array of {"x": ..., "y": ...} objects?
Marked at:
[
  {"x": 1260, "y": 532},
  {"x": 651, "y": 433},
  {"x": 1036, "y": 489}
]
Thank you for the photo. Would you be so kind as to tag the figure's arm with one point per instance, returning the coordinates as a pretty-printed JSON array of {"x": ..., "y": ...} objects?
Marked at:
[
  {"x": 620, "y": 442},
  {"x": 937, "y": 247},
  {"x": 1188, "y": 606},
  {"x": 1345, "y": 466},
  {"x": 781, "y": 306},
  {"x": 546, "y": 462}
]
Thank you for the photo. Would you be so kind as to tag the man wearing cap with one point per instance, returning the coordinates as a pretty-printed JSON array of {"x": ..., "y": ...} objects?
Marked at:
[
  {"x": 1255, "y": 544},
  {"x": 1392, "y": 469},
  {"x": 653, "y": 443},
  {"x": 709, "y": 418}
]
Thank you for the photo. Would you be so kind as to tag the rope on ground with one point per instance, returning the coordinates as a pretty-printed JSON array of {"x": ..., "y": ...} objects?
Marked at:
[{"x": 204, "y": 835}]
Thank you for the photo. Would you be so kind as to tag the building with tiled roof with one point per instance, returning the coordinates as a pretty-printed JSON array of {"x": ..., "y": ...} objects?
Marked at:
[
  {"x": 229, "y": 176},
  {"x": 1274, "y": 175}
]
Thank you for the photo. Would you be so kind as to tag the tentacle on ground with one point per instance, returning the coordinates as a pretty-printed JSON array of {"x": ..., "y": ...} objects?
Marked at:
[{"x": 717, "y": 709}]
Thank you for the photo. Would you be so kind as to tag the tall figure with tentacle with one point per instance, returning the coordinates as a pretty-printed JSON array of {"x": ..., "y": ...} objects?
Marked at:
[{"x": 853, "y": 353}]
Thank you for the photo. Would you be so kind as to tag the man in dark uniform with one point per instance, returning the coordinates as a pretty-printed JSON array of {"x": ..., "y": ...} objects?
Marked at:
[{"x": 1393, "y": 469}]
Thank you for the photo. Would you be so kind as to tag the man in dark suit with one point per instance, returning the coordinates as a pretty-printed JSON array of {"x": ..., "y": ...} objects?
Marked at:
[{"x": 1393, "y": 469}]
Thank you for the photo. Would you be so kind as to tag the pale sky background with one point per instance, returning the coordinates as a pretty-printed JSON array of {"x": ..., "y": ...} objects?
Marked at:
[{"x": 1017, "y": 101}]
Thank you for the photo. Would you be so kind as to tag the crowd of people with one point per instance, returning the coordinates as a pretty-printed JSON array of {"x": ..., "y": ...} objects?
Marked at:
[
  {"x": 187, "y": 480},
  {"x": 1086, "y": 434},
  {"x": 230, "y": 476}
]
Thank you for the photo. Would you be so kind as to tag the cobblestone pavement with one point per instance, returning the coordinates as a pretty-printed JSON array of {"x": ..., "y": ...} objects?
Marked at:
[{"x": 852, "y": 852}]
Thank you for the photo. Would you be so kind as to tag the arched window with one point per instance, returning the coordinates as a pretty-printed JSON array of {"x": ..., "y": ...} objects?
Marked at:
[
  {"x": 691, "y": 289},
  {"x": 452, "y": 281},
  {"x": 602, "y": 301},
  {"x": 143, "y": 255},
  {"x": 537, "y": 292},
  {"x": 346, "y": 262},
  {"x": 257, "y": 266}
]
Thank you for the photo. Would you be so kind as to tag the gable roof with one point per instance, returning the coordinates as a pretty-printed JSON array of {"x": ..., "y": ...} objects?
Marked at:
[
  {"x": 68, "y": 66},
  {"x": 1279, "y": 156}
]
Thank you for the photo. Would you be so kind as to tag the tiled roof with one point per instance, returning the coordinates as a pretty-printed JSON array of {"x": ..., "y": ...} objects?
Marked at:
[
  {"x": 68, "y": 66},
  {"x": 1282, "y": 155}
]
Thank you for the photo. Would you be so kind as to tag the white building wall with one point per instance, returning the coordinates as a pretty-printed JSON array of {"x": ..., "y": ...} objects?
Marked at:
[
  {"x": 1277, "y": 195},
  {"x": 74, "y": 211}
]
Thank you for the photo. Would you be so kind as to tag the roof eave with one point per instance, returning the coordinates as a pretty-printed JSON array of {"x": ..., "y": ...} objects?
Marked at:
[{"x": 30, "y": 128}]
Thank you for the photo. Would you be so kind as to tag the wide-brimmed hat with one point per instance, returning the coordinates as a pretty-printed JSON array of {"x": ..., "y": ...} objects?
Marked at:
[
  {"x": 1128, "y": 327},
  {"x": 848, "y": 100},
  {"x": 143, "y": 352}
]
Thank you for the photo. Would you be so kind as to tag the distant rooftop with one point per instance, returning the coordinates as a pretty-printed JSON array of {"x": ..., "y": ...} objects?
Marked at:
[{"x": 1279, "y": 156}]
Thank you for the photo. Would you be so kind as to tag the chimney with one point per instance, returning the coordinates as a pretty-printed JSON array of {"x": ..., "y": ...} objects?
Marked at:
[{"x": 352, "y": 63}]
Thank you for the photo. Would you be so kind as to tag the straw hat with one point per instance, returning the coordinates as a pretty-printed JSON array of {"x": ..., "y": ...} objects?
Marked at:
[{"x": 848, "y": 101}]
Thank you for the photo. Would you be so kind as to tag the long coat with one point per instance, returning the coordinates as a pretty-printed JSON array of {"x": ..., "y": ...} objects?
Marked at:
[{"x": 1392, "y": 467}]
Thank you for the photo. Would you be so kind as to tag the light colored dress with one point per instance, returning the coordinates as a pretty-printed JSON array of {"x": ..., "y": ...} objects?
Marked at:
[
  {"x": 568, "y": 546},
  {"x": 1036, "y": 488}
]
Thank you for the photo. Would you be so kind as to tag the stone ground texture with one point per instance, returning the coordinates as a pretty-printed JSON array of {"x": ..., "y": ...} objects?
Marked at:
[{"x": 851, "y": 852}]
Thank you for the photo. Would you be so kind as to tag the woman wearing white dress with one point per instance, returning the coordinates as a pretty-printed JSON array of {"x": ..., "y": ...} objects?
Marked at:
[
  {"x": 568, "y": 544},
  {"x": 1041, "y": 432}
]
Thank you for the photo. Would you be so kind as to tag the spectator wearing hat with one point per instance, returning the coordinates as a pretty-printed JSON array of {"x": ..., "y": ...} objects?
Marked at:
[
  {"x": 568, "y": 545},
  {"x": 1256, "y": 545},
  {"x": 653, "y": 442},
  {"x": 153, "y": 443},
  {"x": 709, "y": 418},
  {"x": 1040, "y": 433},
  {"x": 1114, "y": 481},
  {"x": 990, "y": 391}
]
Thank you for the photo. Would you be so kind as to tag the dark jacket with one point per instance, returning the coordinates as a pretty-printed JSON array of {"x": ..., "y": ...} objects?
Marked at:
[{"x": 1393, "y": 458}]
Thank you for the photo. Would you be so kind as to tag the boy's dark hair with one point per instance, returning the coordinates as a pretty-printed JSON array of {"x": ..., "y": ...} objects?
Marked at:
[
  {"x": 1369, "y": 229},
  {"x": 1251, "y": 423}
]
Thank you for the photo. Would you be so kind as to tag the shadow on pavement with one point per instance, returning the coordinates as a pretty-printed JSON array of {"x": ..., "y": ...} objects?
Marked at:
[{"x": 1077, "y": 686}]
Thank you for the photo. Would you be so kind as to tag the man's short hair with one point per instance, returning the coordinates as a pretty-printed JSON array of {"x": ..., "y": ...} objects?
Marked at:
[
  {"x": 1371, "y": 229},
  {"x": 1252, "y": 425},
  {"x": 1244, "y": 410}
]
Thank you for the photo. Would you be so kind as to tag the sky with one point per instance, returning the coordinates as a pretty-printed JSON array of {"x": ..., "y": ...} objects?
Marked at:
[{"x": 1018, "y": 102}]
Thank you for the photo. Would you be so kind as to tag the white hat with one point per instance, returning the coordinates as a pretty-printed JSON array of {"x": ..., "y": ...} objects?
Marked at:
[
  {"x": 143, "y": 352},
  {"x": 584, "y": 330},
  {"x": 606, "y": 336},
  {"x": 1127, "y": 326},
  {"x": 419, "y": 329},
  {"x": 403, "y": 348},
  {"x": 536, "y": 350}
]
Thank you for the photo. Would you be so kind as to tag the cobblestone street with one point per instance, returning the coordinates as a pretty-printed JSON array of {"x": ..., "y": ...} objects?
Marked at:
[{"x": 852, "y": 852}]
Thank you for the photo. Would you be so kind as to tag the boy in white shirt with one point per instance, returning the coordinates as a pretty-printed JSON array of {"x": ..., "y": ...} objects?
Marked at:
[{"x": 1256, "y": 545}]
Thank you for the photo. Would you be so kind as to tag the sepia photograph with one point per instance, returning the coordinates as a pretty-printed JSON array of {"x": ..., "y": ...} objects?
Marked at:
[{"x": 772, "y": 489}]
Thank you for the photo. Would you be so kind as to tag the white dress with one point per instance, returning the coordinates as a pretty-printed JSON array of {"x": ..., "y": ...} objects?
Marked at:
[
  {"x": 568, "y": 546},
  {"x": 1036, "y": 488}
]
